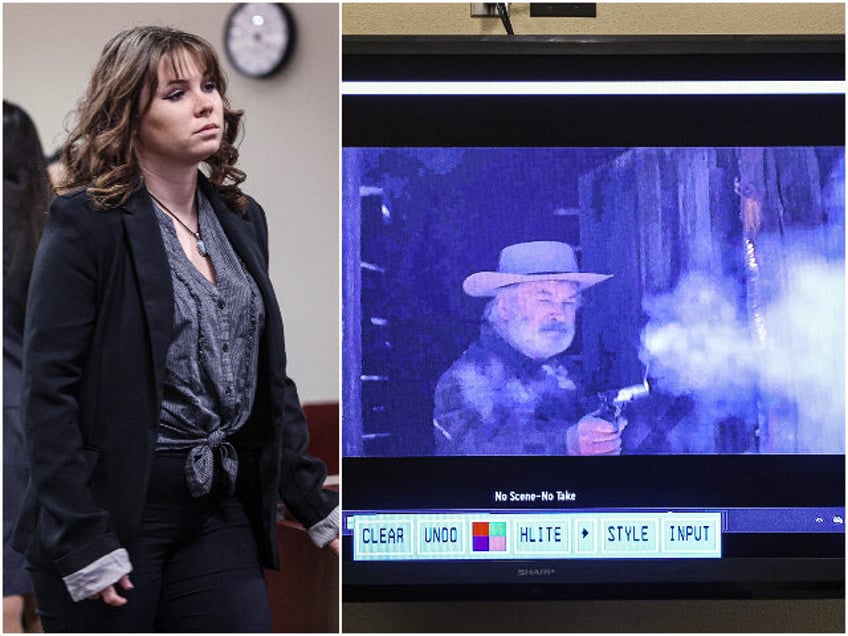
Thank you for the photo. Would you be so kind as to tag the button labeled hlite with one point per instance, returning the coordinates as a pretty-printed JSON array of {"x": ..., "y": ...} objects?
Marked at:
[{"x": 542, "y": 536}]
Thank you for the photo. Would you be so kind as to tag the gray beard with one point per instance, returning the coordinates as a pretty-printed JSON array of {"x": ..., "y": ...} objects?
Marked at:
[{"x": 537, "y": 344}]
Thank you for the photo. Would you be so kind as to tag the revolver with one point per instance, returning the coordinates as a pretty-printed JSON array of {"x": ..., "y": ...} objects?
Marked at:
[{"x": 613, "y": 401}]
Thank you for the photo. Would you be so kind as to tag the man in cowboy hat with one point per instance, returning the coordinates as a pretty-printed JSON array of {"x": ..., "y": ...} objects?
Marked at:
[{"x": 509, "y": 393}]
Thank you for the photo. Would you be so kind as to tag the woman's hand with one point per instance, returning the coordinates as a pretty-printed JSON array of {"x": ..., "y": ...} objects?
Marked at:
[
  {"x": 333, "y": 546},
  {"x": 110, "y": 595}
]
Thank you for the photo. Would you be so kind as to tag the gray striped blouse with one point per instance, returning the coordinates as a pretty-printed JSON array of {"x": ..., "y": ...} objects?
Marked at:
[{"x": 211, "y": 366}]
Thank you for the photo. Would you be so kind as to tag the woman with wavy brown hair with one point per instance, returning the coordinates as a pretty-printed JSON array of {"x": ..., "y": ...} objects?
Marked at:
[{"x": 162, "y": 427}]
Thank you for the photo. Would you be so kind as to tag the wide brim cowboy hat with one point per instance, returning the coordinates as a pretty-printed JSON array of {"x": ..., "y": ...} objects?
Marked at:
[{"x": 533, "y": 261}]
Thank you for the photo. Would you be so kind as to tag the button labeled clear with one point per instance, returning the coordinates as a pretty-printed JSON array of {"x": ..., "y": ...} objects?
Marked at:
[{"x": 384, "y": 538}]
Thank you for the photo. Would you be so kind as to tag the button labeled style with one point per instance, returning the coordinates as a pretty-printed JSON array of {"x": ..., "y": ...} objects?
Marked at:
[{"x": 629, "y": 536}]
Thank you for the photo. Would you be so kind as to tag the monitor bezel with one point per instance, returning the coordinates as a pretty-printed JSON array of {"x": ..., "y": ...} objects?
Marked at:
[{"x": 451, "y": 59}]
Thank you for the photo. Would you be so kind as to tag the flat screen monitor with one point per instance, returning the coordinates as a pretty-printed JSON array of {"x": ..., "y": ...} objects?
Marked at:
[{"x": 593, "y": 318}]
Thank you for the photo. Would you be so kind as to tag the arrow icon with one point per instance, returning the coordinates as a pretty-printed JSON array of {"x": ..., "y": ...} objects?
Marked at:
[{"x": 585, "y": 533}]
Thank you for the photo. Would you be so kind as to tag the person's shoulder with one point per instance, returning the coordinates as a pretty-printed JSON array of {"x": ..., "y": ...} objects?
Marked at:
[
  {"x": 73, "y": 201},
  {"x": 248, "y": 209},
  {"x": 479, "y": 354},
  {"x": 75, "y": 214},
  {"x": 75, "y": 208},
  {"x": 253, "y": 210},
  {"x": 251, "y": 202},
  {"x": 470, "y": 385},
  {"x": 80, "y": 203},
  {"x": 475, "y": 360},
  {"x": 254, "y": 213}
]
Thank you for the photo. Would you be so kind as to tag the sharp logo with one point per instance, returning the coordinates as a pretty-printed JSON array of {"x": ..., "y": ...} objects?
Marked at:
[{"x": 536, "y": 572}]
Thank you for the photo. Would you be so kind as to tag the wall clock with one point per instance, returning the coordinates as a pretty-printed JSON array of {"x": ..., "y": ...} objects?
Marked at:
[{"x": 259, "y": 38}]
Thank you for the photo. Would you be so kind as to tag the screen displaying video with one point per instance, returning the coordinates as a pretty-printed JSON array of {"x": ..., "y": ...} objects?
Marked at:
[
  {"x": 514, "y": 300},
  {"x": 593, "y": 340},
  {"x": 524, "y": 304}
]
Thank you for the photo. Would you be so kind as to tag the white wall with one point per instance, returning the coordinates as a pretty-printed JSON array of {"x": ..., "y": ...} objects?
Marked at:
[
  {"x": 289, "y": 152},
  {"x": 613, "y": 18}
]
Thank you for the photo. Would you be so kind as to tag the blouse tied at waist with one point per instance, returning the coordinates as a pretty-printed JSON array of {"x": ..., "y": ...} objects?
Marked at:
[
  {"x": 211, "y": 366},
  {"x": 200, "y": 464}
]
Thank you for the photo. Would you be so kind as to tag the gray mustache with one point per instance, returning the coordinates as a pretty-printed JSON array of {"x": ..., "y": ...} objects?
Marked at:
[{"x": 556, "y": 327}]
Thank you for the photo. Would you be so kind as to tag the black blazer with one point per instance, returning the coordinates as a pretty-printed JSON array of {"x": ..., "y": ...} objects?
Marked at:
[{"x": 99, "y": 323}]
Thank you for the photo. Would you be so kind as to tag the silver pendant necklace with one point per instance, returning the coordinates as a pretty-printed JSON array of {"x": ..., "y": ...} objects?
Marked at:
[{"x": 201, "y": 246}]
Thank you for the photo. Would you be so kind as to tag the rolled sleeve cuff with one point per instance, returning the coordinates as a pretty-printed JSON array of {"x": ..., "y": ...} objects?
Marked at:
[
  {"x": 325, "y": 530},
  {"x": 98, "y": 575}
]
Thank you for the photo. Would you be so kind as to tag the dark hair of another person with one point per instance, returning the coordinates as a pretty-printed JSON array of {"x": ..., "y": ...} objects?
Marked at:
[
  {"x": 98, "y": 155},
  {"x": 26, "y": 194}
]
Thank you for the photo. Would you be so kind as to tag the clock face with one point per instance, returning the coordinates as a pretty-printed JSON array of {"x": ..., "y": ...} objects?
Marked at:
[{"x": 259, "y": 38}]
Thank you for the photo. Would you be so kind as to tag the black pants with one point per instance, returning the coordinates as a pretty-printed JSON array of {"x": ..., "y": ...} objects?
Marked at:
[{"x": 195, "y": 569}]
